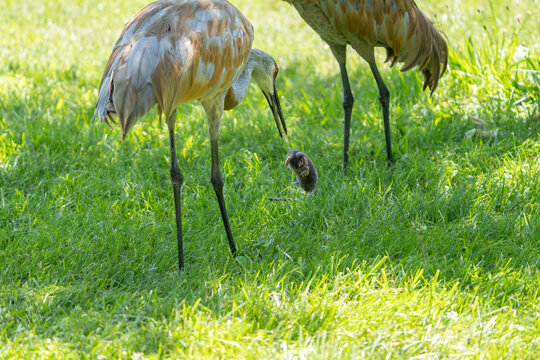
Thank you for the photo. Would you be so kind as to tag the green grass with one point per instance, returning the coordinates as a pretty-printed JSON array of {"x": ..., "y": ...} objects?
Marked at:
[{"x": 435, "y": 257}]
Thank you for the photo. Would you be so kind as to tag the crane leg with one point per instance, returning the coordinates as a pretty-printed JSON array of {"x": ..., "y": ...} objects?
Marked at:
[
  {"x": 384, "y": 99},
  {"x": 217, "y": 183},
  {"x": 348, "y": 101},
  {"x": 177, "y": 180},
  {"x": 340, "y": 53},
  {"x": 214, "y": 110}
]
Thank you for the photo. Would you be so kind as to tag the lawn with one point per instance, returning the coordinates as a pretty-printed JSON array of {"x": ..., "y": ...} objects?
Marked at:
[{"x": 437, "y": 256}]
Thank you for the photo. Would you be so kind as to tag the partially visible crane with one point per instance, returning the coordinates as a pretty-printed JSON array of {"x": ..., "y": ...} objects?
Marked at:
[
  {"x": 178, "y": 51},
  {"x": 399, "y": 26}
]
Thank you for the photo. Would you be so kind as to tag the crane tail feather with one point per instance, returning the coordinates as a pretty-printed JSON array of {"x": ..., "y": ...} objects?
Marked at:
[
  {"x": 432, "y": 55},
  {"x": 413, "y": 40}
]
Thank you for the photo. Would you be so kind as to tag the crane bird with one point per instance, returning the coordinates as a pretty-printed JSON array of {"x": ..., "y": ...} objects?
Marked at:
[
  {"x": 399, "y": 26},
  {"x": 174, "y": 52}
]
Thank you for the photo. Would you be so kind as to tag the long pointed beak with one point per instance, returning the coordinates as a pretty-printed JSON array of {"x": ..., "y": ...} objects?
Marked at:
[{"x": 275, "y": 106}]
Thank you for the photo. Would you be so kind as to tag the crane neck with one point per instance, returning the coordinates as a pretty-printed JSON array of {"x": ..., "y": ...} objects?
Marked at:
[{"x": 238, "y": 90}]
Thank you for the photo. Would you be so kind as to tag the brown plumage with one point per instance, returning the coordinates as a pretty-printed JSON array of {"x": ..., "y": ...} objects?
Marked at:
[
  {"x": 178, "y": 51},
  {"x": 399, "y": 26}
]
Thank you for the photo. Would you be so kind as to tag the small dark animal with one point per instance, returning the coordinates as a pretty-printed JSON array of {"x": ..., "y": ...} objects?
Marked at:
[{"x": 304, "y": 169}]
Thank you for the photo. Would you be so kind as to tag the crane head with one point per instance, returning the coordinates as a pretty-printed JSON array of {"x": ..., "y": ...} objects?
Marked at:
[{"x": 264, "y": 73}]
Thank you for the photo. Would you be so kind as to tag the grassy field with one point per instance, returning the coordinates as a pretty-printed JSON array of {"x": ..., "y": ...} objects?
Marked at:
[{"x": 437, "y": 256}]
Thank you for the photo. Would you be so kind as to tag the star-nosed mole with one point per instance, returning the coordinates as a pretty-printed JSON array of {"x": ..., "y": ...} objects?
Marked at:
[{"x": 304, "y": 169}]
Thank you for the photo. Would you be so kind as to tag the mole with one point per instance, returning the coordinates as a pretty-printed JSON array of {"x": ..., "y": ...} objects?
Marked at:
[{"x": 304, "y": 169}]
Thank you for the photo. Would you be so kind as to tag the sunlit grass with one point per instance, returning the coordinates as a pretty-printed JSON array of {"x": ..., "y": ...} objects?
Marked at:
[{"x": 434, "y": 257}]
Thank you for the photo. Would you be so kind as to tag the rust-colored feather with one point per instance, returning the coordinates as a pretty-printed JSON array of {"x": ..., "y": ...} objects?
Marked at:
[
  {"x": 171, "y": 53},
  {"x": 397, "y": 25}
]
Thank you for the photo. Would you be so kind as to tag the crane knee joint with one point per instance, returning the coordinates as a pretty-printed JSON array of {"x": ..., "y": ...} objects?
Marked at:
[
  {"x": 217, "y": 181},
  {"x": 348, "y": 101},
  {"x": 176, "y": 175},
  {"x": 384, "y": 96}
]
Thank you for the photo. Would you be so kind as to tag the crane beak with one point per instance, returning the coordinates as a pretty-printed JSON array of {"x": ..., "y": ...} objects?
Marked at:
[{"x": 275, "y": 106}]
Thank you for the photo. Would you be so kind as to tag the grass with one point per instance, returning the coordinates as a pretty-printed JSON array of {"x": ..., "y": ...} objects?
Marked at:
[{"x": 435, "y": 257}]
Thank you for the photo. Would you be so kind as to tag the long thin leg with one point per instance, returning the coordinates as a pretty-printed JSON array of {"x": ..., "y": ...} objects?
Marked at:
[
  {"x": 217, "y": 182},
  {"x": 348, "y": 101},
  {"x": 340, "y": 53},
  {"x": 177, "y": 180},
  {"x": 214, "y": 110},
  {"x": 384, "y": 99}
]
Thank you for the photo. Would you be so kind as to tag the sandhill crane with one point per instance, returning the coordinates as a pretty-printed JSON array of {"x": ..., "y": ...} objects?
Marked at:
[
  {"x": 174, "y": 52},
  {"x": 397, "y": 25}
]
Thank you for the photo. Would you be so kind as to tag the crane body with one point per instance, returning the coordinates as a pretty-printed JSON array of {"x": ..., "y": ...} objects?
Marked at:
[{"x": 177, "y": 51}]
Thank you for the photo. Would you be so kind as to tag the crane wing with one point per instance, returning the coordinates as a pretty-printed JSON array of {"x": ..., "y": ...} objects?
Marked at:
[
  {"x": 398, "y": 25},
  {"x": 173, "y": 52}
]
